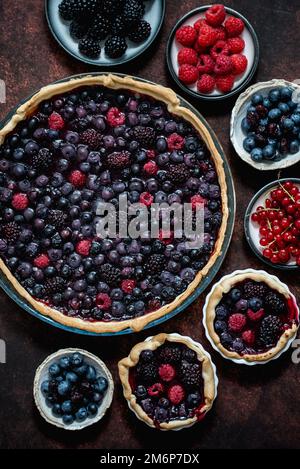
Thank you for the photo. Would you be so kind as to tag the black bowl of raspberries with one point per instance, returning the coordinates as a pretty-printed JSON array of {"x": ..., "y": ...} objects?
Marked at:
[
  {"x": 73, "y": 389},
  {"x": 105, "y": 32}
]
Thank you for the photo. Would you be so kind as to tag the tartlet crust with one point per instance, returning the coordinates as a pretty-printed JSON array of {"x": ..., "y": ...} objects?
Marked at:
[
  {"x": 224, "y": 287},
  {"x": 167, "y": 96},
  {"x": 132, "y": 360}
]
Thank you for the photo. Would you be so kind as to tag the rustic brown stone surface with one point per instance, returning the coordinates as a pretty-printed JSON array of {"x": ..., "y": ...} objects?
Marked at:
[{"x": 257, "y": 406}]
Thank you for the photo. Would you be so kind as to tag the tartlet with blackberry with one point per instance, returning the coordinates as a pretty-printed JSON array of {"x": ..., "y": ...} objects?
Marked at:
[
  {"x": 88, "y": 140},
  {"x": 169, "y": 381},
  {"x": 251, "y": 317}
]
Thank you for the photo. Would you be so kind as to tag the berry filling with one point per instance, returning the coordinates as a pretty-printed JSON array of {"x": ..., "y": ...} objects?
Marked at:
[
  {"x": 168, "y": 384},
  {"x": 251, "y": 318},
  {"x": 90, "y": 146}
]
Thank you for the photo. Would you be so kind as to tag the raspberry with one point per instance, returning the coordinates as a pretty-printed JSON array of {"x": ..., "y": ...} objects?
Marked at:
[
  {"x": 239, "y": 62},
  {"x": 221, "y": 33},
  {"x": 151, "y": 154},
  {"x": 234, "y": 26},
  {"x": 155, "y": 390},
  {"x": 187, "y": 56},
  {"x": 83, "y": 247},
  {"x": 115, "y": 117},
  {"x": 128, "y": 285},
  {"x": 197, "y": 200},
  {"x": 150, "y": 168},
  {"x": 207, "y": 36},
  {"x": 146, "y": 198},
  {"x": 199, "y": 24},
  {"x": 103, "y": 301},
  {"x": 248, "y": 337},
  {"x": 225, "y": 83},
  {"x": 175, "y": 142},
  {"x": 188, "y": 74},
  {"x": 206, "y": 84},
  {"x": 220, "y": 48},
  {"x": 41, "y": 261},
  {"x": 55, "y": 121},
  {"x": 176, "y": 394},
  {"x": 236, "y": 322},
  {"x": 206, "y": 64},
  {"x": 166, "y": 237},
  {"x": 255, "y": 316},
  {"x": 186, "y": 35},
  {"x": 215, "y": 15},
  {"x": 166, "y": 372},
  {"x": 20, "y": 201},
  {"x": 77, "y": 178},
  {"x": 235, "y": 45},
  {"x": 223, "y": 65}
]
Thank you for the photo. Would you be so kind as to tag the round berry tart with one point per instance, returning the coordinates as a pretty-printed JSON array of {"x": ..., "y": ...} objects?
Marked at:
[
  {"x": 169, "y": 381},
  {"x": 86, "y": 141},
  {"x": 251, "y": 317}
]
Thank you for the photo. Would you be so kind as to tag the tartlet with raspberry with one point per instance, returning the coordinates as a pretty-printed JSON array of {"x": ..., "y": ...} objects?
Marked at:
[
  {"x": 251, "y": 317},
  {"x": 86, "y": 141},
  {"x": 169, "y": 381}
]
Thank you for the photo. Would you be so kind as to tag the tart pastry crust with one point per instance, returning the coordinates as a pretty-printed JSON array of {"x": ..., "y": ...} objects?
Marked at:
[
  {"x": 224, "y": 287},
  {"x": 132, "y": 360},
  {"x": 167, "y": 96}
]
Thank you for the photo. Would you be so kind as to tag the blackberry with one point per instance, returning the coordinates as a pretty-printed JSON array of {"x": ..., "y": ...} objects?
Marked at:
[
  {"x": 147, "y": 373},
  {"x": 11, "y": 231},
  {"x": 78, "y": 30},
  {"x": 57, "y": 218},
  {"x": 275, "y": 304},
  {"x": 79, "y": 124},
  {"x": 110, "y": 275},
  {"x": 42, "y": 160},
  {"x": 100, "y": 28},
  {"x": 115, "y": 47},
  {"x": 269, "y": 331},
  {"x": 67, "y": 9},
  {"x": 133, "y": 11},
  {"x": 155, "y": 264},
  {"x": 144, "y": 135},
  {"x": 85, "y": 8},
  {"x": 54, "y": 285},
  {"x": 178, "y": 173},
  {"x": 119, "y": 27},
  {"x": 118, "y": 160},
  {"x": 92, "y": 138},
  {"x": 139, "y": 31},
  {"x": 169, "y": 354},
  {"x": 112, "y": 7},
  {"x": 89, "y": 48},
  {"x": 191, "y": 374},
  {"x": 254, "y": 289}
]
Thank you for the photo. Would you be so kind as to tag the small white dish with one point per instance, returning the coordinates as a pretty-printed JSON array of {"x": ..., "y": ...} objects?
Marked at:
[
  {"x": 42, "y": 375},
  {"x": 242, "y": 361},
  {"x": 237, "y": 135}
]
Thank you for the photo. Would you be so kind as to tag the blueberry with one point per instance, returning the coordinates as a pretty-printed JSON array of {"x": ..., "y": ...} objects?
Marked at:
[
  {"x": 160, "y": 414},
  {"x": 64, "y": 363},
  {"x": 193, "y": 400},
  {"x": 220, "y": 326},
  {"x": 274, "y": 114},
  {"x": 226, "y": 339},
  {"x": 257, "y": 98},
  {"x": 267, "y": 103},
  {"x": 235, "y": 294},
  {"x": 54, "y": 369},
  {"x": 67, "y": 407},
  {"x": 257, "y": 154},
  {"x": 147, "y": 405},
  {"x": 288, "y": 124},
  {"x": 238, "y": 345},
  {"x": 274, "y": 95},
  {"x": 294, "y": 147},
  {"x": 255, "y": 304},
  {"x": 71, "y": 377},
  {"x": 92, "y": 409},
  {"x": 284, "y": 108},
  {"x": 56, "y": 410},
  {"x": 286, "y": 93},
  {"x": 76, "y": 358},
  {"x": 242, "y": 305},
  {"x": 63, "y": 388},
  {"x": 91, "y": 374},
  {"x": 249, "y": 144},
  {"x": 292, "y": 105},
  {"x": 68, "y": 419},
  {"x": 269, "y": 152},
  {"x": 45, "y": 387},
  {"x": 81, "y": 414},
  {"x": 221, "y": 312}
]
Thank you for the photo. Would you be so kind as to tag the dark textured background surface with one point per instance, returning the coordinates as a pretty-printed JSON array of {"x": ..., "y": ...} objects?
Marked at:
[{"x": 257, "y": 406}]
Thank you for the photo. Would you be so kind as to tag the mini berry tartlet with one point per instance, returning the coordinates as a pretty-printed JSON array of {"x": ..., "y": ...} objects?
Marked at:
[
  {"x": 169, "y": 381},
  {"x": 250, "y": 317},
  {"x": 81, "y": 143}
]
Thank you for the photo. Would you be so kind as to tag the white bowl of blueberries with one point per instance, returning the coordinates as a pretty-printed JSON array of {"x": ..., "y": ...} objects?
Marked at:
[
  {"x": 73, "y": 389},
  {"x": 265, "y": 125}
]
